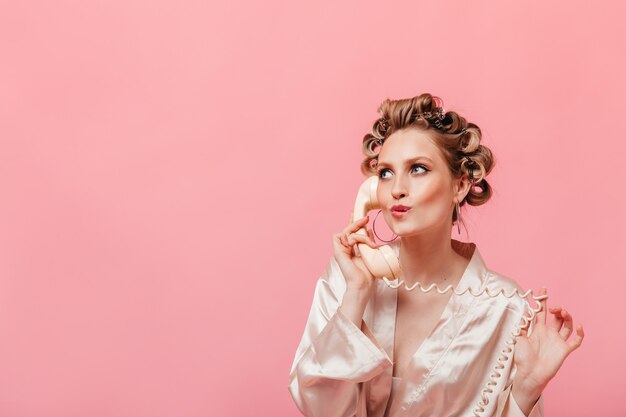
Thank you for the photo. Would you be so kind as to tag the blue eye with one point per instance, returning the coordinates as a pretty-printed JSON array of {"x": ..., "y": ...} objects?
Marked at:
[
  {"x": 382, "y": 172},
  {"x": 419, "y": 166}
]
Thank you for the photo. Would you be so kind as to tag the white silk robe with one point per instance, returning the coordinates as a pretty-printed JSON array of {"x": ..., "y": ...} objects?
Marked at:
[{"x": 463, "y": 368}]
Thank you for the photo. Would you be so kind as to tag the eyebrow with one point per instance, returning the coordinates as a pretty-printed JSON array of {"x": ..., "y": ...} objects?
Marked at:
[{"x": 407, "y": 162}]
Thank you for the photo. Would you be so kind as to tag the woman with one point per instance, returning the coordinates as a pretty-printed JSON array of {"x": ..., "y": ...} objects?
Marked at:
[{"x": 372, "y": 349}]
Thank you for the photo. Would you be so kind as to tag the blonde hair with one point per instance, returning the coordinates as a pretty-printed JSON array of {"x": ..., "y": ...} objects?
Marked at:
[{"x": 458, "y": 140}]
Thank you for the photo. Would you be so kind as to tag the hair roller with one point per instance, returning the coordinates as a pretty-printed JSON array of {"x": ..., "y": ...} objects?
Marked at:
[
  {"x": 471, "y": 167},
  {"x": 470, "y": 140}
]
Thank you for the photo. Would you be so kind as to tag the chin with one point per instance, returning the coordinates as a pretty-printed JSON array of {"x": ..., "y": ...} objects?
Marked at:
[
  {"x": 410, "y": 227},
  {"x": 405, "y": 227},
  {"x": 408, "y": 233},
  {"x": 405, "y": 230}
]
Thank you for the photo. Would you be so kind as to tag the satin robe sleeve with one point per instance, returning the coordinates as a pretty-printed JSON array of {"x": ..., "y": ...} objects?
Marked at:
[
  {"x": 507, "y": 406},
  {"x": 334, "y": 355}
]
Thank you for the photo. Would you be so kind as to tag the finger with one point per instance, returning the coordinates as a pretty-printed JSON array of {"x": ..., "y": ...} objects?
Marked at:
[
  {"x": 354, "y": 238},
  {"x": 578, "y": 339},
  {"x": 523, "y": 327},
  {"x": 541, "y": 315},
  {"x": 568, "y": 324},
  {"x": 342, "y": 239},
  {"x": 370, "y": 233},
  {"x": 557, "y": 322},
  {"x": 354, "y": 226},
  {"x": 339, "y": 244},
  {"x": 346, "y": 242}
]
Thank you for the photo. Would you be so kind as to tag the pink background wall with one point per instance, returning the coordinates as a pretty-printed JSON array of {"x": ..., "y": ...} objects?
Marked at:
[{"x": 172, "y": 172}]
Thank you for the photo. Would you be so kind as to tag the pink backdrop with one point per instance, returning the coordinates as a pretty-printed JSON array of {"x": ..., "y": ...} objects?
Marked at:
[{"x": 172, "y": 173}]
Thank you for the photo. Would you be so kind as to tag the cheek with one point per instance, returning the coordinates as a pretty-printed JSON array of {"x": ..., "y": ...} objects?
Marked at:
[
  {"x": 383, "y": 193},
  {"x": 432, "y": 191}
]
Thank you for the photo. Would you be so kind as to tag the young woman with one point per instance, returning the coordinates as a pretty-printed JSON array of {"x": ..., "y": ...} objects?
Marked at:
[{"x": 372, "y": 349}]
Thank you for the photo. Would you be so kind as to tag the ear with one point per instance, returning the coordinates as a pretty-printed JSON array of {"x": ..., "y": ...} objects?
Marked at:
[{"x": 461, "y": 187}]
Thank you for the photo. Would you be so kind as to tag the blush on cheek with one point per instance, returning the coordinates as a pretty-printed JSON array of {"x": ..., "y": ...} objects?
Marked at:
[
  {"x": 432, "y": 201},
  {"x": 430, "y": 192}
]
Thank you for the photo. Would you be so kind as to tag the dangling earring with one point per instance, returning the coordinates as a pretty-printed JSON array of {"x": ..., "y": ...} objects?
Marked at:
[
  {"x": 374, "y": 229},
  {"x": 458, "y": 217}
]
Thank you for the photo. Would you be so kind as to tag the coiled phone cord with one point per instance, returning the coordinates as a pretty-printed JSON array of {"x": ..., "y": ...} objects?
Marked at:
[{"x": 507, "y": 352}]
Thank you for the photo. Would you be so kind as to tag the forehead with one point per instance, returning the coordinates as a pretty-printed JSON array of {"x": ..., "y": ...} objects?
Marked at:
[{"x": 408, "y": 143}]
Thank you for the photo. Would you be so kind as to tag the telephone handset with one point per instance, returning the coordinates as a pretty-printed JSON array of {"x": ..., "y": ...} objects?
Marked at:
[{"x": 383, "y": 263}]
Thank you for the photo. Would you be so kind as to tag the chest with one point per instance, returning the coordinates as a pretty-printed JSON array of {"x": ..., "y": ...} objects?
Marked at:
[{"x": 416, "y": 317}]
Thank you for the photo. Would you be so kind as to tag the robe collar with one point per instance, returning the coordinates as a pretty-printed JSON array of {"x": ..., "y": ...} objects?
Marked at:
[{"x": 382, "y": 324}]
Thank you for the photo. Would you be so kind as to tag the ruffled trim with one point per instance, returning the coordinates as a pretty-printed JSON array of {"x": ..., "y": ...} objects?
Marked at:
[{"x": 507, "y": 352}]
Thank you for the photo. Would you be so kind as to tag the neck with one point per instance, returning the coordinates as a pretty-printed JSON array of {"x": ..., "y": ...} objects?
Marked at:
[{"x": 429, "y": 258}]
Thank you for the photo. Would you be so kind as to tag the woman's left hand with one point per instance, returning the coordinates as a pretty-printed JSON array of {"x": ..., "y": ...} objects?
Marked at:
[{"x": 539, "y": 356}]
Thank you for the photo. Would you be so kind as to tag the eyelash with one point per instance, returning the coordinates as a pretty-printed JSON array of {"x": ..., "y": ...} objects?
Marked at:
[{"x": 380, "y": 173}]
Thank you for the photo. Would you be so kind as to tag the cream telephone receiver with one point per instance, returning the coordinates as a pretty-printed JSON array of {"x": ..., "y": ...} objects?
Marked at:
[{"x": 382, "y": 261}]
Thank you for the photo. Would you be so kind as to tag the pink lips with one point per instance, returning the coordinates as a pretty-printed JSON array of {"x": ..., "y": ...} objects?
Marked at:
[{"x": 399, "y": 211}]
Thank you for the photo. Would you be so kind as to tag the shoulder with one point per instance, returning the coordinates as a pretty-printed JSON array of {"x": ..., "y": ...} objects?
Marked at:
[
  {"x": 496, "y": 280},
  {"x": 509, "y": 293}
]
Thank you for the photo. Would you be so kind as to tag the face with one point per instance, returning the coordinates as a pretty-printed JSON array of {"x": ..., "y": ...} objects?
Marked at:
[{"x": 412, "y": 172}]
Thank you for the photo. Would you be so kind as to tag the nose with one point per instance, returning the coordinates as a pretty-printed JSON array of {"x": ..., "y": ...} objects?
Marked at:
[{"x": 398, "y": 190}]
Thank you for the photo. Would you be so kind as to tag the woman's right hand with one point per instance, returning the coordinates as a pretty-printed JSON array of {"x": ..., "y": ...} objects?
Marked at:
[{"x": 355, "y": 272}]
